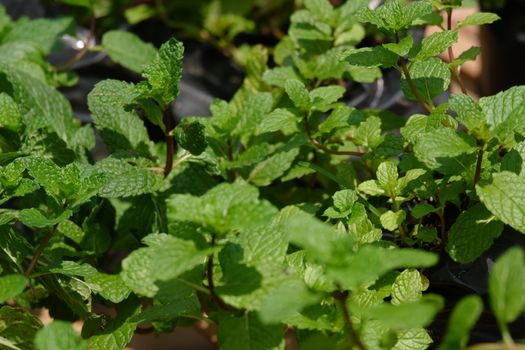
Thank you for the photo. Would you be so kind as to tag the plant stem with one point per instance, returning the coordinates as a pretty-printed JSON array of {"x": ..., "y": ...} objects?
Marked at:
[
  {"x": 412, "y": 86},
  {"x": 211, "y": 286},
  {"x": 85, "y": 49},
  {"x": 318, "y": 145},
  {"x": 39, "y": 250},
  {"x": 342, "y": 298},
  {"x": 477, "y": 174},
  {"x": 170, "y": 144},
  {"x": 455, "y": 73},
  {"x": 507, "y": 338}
]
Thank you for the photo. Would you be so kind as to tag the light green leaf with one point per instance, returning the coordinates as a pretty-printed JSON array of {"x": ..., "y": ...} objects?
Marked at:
[
  {"x": 468, "y": 55},
  {"x": 435, "y": 44},
  {"x": 368, "y": 132},
  {"x": 387, "y": 177},
  {"x": 431, "y": 78},
  {"x": 278, "y": 76},
  {"x": 164, "y": 73},
  {"x": 478, "y": 18},
  {"x": 119, "y": 128},
  {"x": 322, "y": 97},
  {"x": 472, "y": 233},
  {"x": 10, "y": 116},
  {"x": 394, "y": 15},
  {"x": 11, "y": 286},
  {"x": 298, "y": 94},
  {"x": 446, "y": 151},
  {"x": 413, "y": 339},
  {"x": 408, "y": 287},
  {"x": 110, "y": 287},
  {"x": 248, "y": 333},
  {"x": 501, "y": 106},
  {"x": 392, "y": 220},
  {"x": 226, "y": 207},
  {"x": 371, "y": 188},
  {"x": 165, "y": 258},
  {"x": 507, "y": 285},
  {"x": 280, "y": 119},
  {"x": 71, "y": 230},
  {"x": 344, "y": 199},
  {"x": 272, "y": 168},
  {"x": 42, "y": 32},
  {"x": 408, "y": 315},
  {"x": 402, "y": 48},
  {"x": 464, "y": 317},
  {"x": 125, "y": 180},
  {"x": 505, "y": 198},
  {"x": 341, "y": 117},
  {"x": 59, "y": 335},
  {"x": 35, "y": 218},
  {"x": 470, "y": 114},
  {"x": 128, "y": 49}
]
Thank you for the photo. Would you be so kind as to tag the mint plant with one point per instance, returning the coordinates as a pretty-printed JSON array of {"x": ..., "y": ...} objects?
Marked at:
[{"x": 286, "y": 215}]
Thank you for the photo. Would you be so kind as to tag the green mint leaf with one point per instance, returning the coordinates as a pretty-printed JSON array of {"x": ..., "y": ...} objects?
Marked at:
[
  {"x": 191, "y": 137},
  {"x": 297, "y": 92},
  {"x": 41, "y": 102},
  {"x": 226, "y": 207},
  {"x": 408, "y": 287},
  {"x": 470, "y": 114},
  {"x": 112, "y": 334},
  {"x": 341, "y": 117},
  {"x": 408, "y": 315},
  {"x": 468, "y": 55},
  {"x": 165, "y": 258},
  {"x": 42, "y": 33},
  {"x": 278, "y": 76},
  {"x": 514, "y": 160},
  {"x": 321, "y": 9},
  {"x": 323, "y": 97},
  {"x": 431, "y": 78},
  {"x": 165, "y": 71},
  {"x": 368, "y": 132},
  {"x": 387, "y": 177},
  {"x": 355, "y": 270},
  {"x": 35, "y": 218},
  {"x": 371, "y": 188},
  {"x": 393, "y": 15},
  {"x": 128, "y": 50},
  {"x": 463, "y": 319},
  {"x": 59, "y": 335},
  {"x": 251, "y": 114},
  {"x": 501, "y": 106},
  {"x": 413, "y": 339},
  {"x": 478, "y": 18},
  {"x": 435, "y": 44},
  {"x": 126, "y": 180},
  {"x": 280, "y": 119},
  {"x": 10, "y": 116},
  {"x": 7, "y": 216},
  {"x": 504, "y": 198},
  {"x": 11, "y": 286},
  {"x": 421, "y": 210},
  {"x": 345, "y": 199},
  {"x": 247, "y": 332},
  {"x": 377, "y": 56},
  {"x": 119, "y": 128},
  {"x": 109, "y": 287},
  {"x": 472, "y": 233},
  {"x": 18, "y": 327},
  {"x": 402, "y": 48},
  {"x": 507, "y": 285},
  {"x": 392, "y": 220},
  {"x": 264, "y": 173},
  {"x": 446, "y": 151}
]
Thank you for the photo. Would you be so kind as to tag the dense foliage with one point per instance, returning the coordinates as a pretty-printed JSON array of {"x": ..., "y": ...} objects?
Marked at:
[{"x": 287, "y": 212}]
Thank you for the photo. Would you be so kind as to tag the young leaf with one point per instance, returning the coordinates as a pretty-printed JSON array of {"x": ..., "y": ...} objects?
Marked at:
[
  {"x": 472, "y": 233},
  {"x": 11, "y": 286},
  {"x": 408, "y": 287},
  {"x": 464, "y": 317},
  {"x": 507, "y": 285},
  {"x": 505, "y": 198},
  {"x": 392, "y": 220},
  {"x": 127, "y": 49},
  {"x": 478, "y": 18},
  {"x": 34, "y": 218},
  {"x": 470, "y": 114},
  {"x": 298, "y": 94},
  {"x": 435, "y": 44},
  {"x": 165, "y": 71},
  {"x": 59, "y": 335},
  {"x": 264, "y": 173}
]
